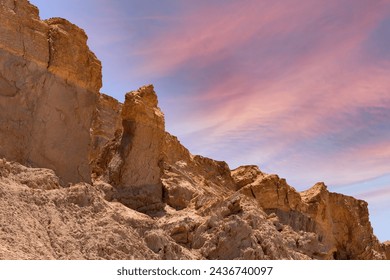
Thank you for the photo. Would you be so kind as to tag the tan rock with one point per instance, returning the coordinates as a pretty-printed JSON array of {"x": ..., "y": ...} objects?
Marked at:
[
  {"x": 192, "y": 179},
  {"x": 387, "y": 249},
  {"x": 131, "y": 160},
  {"x": 150, "y": 198},
  {"x": 343, "y": 223},
  {"x": 34, "y": 178},
  {"x": 106, "y": 122},
  {"x": 142, "y": 139},
  {"x": 22, "y": 32},
  {"x": 45, "y": 111},
  {"x": 55, "y": 44},
  {"x": 165, "y": 247},
  {"x": 338, "y": 222},
  {"x": 271, "y": 192},
  {"x": 77, "y": 65},
  {"x": 242, "y": 234},
  {"x": 245, "y": 175},
  {"x": 70, "y": 223}
]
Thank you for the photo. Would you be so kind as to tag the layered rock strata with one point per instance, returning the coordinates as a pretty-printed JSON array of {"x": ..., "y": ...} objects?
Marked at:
[{"x": 84, "y": 176}]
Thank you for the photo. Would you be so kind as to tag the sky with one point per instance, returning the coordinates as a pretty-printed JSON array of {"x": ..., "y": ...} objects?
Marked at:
[{"x": 300, "y": 88}]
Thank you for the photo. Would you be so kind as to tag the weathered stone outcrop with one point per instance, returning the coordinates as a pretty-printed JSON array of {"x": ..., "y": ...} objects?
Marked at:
[
  {"x": 343, "y": 222},
  {"x": 49, "y": 82},
  {"x": 386, "y": 245},
  {"x": 22, "y": 32},
  {"x": 41, "y": 220},
  {"x": 339, "y": 222},
  {"x": 106, "y": 122},
  {"x": 70, "y": 57},
  {"x": 192, "y": 179},
  {"x": 131, "y": 160},
  {"x": 135, "y": 191},
  {"x": 146, "y": 165}
]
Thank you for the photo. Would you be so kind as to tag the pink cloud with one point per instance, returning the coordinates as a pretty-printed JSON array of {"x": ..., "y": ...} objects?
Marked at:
[
  {"x": 296, "y": 108},
  {"x": 382, "y": 193},
  {"x": 278, "y": 96},
  {"x": 356, "y": 164},
  {"x": 378, "y": 197},
  {"x": 312, "y": 72},
  {"x": 205, "y": 34}
]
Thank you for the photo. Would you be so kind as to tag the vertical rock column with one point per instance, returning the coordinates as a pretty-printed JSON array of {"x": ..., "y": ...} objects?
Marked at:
[{"x": 132, "y": 160}]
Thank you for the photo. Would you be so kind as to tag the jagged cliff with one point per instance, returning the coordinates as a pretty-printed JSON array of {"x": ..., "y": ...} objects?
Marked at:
[{"x": 86, "y": 177}]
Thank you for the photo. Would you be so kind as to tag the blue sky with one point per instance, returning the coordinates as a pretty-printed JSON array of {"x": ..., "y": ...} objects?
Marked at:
[{"x": 300, "y": 87}]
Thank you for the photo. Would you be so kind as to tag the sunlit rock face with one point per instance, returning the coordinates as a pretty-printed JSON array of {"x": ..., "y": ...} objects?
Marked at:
[
  {"x": 83, "y": 176},
  {"x": 49, "y": 85}
]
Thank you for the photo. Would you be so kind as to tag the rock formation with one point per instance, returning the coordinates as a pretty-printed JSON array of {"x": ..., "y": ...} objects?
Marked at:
[
  {"x": 86, "y": 177},
  {"x": 130, "y": 160},
  {"x": 49, "y": 88},
  {"x": 386, "y": 245}
]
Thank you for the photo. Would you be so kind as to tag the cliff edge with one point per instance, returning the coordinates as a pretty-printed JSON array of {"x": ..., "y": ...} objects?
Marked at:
[{"x": 83, "y": 176}]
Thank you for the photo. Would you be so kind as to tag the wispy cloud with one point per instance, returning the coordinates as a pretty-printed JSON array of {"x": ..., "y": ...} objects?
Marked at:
[
  {"x": 207, "y": 33},
  {"x": 283, "y": 74}
]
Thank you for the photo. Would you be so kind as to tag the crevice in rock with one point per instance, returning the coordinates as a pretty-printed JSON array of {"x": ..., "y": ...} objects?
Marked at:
[
  {"x": 129, "y": 127},
  {"x": 252, "y": 192},
  {"x": 50, "y": 46}
]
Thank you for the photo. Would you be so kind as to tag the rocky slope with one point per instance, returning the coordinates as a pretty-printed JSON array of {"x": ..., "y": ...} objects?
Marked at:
[{"x": 86, "y": 177}]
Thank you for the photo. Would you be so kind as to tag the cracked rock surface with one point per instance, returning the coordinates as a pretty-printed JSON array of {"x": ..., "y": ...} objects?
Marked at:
[{"x": 83, "y": 176}]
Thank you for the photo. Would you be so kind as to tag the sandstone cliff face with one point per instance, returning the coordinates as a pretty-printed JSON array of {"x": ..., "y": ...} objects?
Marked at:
[
  {"x": 339, "y": 222},
  {"x": 86, "y": 177},
  {"x": 386, "y": 246},
  {"x": 106, "y": 122},
  {"x": 130, "y": 161},
  {"x": 49, "y": 82}
]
